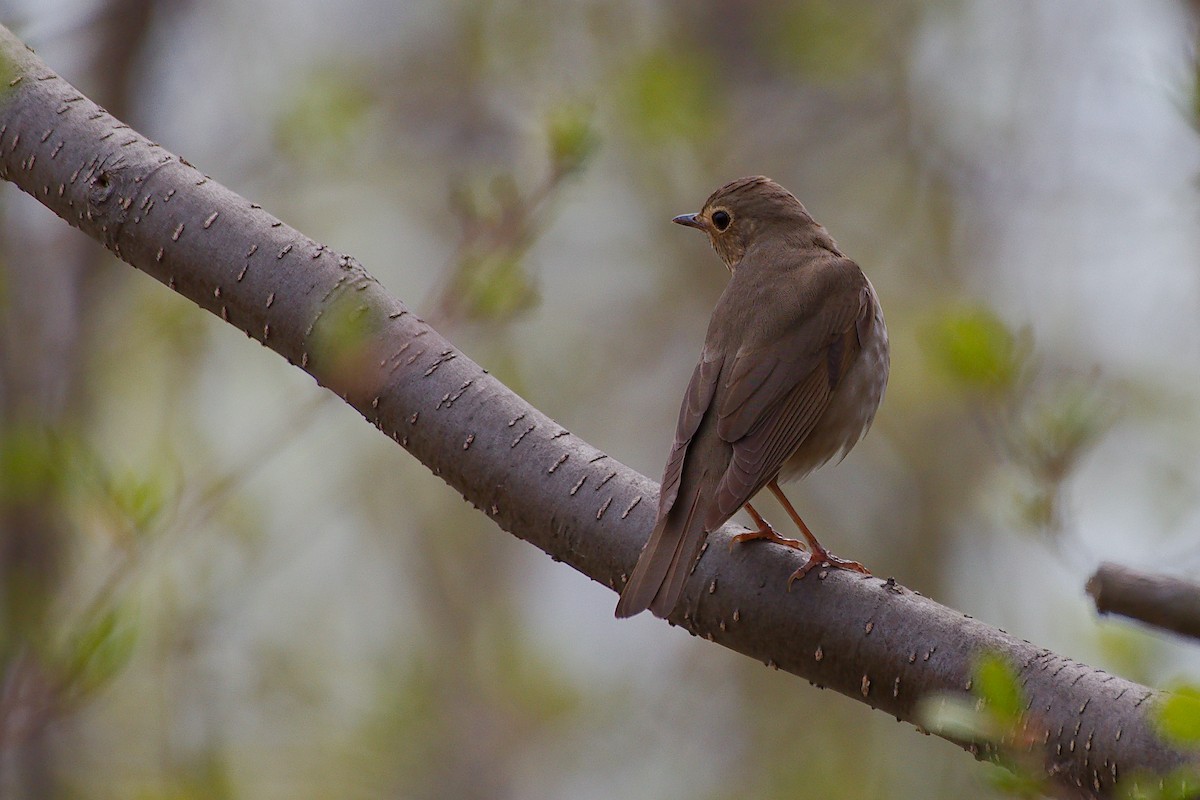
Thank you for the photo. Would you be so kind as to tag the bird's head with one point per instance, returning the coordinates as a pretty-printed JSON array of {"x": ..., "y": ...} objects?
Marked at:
[{"x": 741, "y": 211}]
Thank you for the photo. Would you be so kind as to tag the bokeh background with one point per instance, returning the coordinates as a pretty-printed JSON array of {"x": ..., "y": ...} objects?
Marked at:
[{"x": 219, "y": 582}]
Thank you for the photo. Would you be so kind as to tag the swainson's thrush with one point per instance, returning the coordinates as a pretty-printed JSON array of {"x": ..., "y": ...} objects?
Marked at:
[{"x": 794, "y": 366}]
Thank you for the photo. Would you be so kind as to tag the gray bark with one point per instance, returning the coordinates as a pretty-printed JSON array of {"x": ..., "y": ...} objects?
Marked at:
[{"x": 1172, "y": 604}]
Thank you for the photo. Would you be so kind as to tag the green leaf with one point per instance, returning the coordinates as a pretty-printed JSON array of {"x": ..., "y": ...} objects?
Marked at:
[
  {"x": 1180, "y": 784},
  {"x": 974, "y": 347},
  {"x": 498, "y": 287},
  {"x": 1178, "y": 718},
  {"x": 98, "y": 651},
  {"x": 571, "y": 135},
  {"x": 955, "y": 716},
  {"x": 997, "y": 684},
  {"x": 1013, "y": 781},
  {"x": 993, "y": 718},
  {"x": 343, "y": 337},
  {"x": 139, "y": 500}
]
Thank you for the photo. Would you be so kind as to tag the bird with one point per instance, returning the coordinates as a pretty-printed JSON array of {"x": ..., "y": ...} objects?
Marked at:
[{"x": 794, "y": 366}]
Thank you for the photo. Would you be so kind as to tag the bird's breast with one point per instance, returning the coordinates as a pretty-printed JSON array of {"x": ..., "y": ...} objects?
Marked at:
[{"x": 852, "y": 405}]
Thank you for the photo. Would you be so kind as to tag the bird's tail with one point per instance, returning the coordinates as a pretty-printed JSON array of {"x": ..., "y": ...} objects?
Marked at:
[{"x": 663, "y": 567}]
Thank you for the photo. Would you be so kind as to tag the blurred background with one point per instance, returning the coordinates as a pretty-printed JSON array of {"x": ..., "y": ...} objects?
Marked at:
[{"x": 216, "y": 581}]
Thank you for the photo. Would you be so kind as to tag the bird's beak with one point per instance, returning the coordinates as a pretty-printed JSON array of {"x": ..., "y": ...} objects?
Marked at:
[{"x": 691, "y": 220}]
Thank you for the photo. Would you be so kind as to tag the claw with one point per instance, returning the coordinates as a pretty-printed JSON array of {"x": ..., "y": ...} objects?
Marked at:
[
  {"x": 825, "y": 559},
  {"x": 818, "y": 556}
]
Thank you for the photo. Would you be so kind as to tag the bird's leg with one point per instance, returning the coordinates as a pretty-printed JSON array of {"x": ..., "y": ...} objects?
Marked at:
[
  {"x": 765, "y": 531},
  {"x": 817, "y": 554}
]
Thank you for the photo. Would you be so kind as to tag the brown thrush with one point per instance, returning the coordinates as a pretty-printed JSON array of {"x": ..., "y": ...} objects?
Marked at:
[{"x": 794, "y": 366}]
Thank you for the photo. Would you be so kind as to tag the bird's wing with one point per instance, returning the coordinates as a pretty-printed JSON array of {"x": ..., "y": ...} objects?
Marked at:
[
  {"x": 657, "y": 578},
  {"x": 696, "y": 401},
  {"x": 779, "y": 387}
]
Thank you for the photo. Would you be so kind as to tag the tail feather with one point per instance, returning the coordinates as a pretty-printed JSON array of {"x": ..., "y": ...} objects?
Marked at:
[{"x": 662, "y": 569}]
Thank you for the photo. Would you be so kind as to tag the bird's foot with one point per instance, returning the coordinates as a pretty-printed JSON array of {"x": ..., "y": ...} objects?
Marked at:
[
  {"x": 818, "y": 556},
  {"x": 765, "y": 531},
  {"x": 824, "y": 558}
]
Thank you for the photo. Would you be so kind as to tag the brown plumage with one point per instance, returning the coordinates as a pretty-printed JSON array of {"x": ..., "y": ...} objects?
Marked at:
[{"x": 794, "y": 366}]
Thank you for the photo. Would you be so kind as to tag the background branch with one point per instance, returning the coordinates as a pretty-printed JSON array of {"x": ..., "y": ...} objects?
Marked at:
[
  {"x": 868, "y": 638},
  {"x": 1165, "y": 602}
]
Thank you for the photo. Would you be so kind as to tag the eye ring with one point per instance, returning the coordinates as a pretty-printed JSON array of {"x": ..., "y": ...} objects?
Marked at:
[{"x": 721, "y": 219}]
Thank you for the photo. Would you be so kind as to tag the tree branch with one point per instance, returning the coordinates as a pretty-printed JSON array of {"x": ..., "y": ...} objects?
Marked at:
[
  {"x": 870, "y": 639},
  {"x": 1172, "y": 604}
]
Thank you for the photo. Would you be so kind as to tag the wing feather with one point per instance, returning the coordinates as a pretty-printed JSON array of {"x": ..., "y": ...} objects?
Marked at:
[
  {"x": 777, "y": 394},
  {"x": 696, "y": 401},
  {"x": 658, "y": 577}
]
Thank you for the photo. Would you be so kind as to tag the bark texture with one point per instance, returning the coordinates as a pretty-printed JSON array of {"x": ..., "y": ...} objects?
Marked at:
[
  {"x": 1172, "y": 604},
  {"x": 868, "y": 638}
]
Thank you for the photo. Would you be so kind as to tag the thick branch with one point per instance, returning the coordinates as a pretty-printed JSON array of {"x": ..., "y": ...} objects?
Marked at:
[
  {"x": 1172, "y": 604},
  {"x": 869, "y": 639}
]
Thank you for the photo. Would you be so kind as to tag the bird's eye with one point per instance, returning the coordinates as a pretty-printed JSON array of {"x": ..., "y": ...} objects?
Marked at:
[{"x": 721, "y": 220}]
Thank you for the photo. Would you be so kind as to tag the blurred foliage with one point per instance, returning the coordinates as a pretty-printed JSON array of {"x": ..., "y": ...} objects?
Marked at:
[
  {"x": 491, "y": 280},
  {"x": 343, "y": 340},
  {"x": 1182, "y": 784},
  {"x": 524, "y": 680},
  {"x": 1042, "y": 419},
  {"x": 1178, "y": 718},
  {"x": 95, "y": 653},
  {"x": 673, "y": 95},
  {"x": 1192, "y": 106},
  {"x": 995, "y": 720},
  {"x": 1129, "y": 651},
  {"x": 132, "y": 504},
  {"x": 826, "y": 40},
  {"x": 1055, "y": 428},
  {"x": 999, "y": 687},
  {"x": 8, "y": 74},
  {"x": 973, "y": 347},
  {"x": 33, "y": 489},
  {"x": 572, "y": 137},
  {"x": 323, "y": 118},
  {"x": 1054, "y": 431},
  {"x": 33, "y": 463},
  {"x": 993, "y": 716},
  {"x": 59, "y": 471},
  {"x": 333, "y": 623}
]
